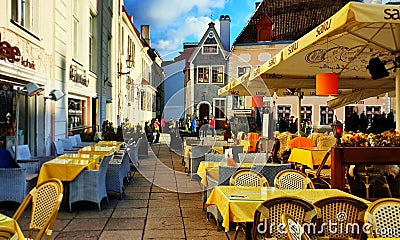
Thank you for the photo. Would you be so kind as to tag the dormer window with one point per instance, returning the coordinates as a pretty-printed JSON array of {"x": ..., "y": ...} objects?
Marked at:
[{"x": 210, "y": 45}]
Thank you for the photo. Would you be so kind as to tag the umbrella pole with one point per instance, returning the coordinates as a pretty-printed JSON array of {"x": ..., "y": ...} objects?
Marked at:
[
  {"x": 397, "y": 99},
  {"x": 299, "y": 113}
]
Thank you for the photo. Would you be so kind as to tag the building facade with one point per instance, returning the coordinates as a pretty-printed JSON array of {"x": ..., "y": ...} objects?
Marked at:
[{"x": 207, "y": 72}]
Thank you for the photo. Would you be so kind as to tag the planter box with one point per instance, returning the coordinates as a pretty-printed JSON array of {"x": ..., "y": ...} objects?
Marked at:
[{"x": 342, "y": 156}]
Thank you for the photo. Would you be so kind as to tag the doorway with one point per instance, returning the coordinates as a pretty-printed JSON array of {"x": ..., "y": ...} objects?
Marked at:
[{"x": 204, "y": 110}]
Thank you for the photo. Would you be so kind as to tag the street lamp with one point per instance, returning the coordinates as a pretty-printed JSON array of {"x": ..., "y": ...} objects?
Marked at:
[
  {"x": 337, "y": 129},
  {"x": 129, "y": 64}
]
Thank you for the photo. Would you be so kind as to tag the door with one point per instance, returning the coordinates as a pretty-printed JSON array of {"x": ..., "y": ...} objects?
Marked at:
[{"x": 204, "y": 111}]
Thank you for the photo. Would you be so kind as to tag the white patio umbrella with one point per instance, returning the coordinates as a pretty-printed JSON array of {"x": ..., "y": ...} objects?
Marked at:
[{"x": 343, "y": 44}]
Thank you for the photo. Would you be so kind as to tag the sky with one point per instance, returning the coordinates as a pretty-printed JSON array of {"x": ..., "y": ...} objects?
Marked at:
[{"x": 173, "y": 22}]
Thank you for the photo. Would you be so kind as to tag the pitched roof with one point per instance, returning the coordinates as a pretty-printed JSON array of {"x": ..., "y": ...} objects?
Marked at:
[
  {"x": 203, "y": 39},
  {"x": 292, "y": 18}
]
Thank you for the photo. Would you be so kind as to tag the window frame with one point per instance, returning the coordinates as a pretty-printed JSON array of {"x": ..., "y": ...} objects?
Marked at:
[
  {"x": 326, "y": 115},
  {"x": 248, "y": 69},
  {"x": 220, "y": 67},
  {"x": 216, "y": 108},
  {"x": 206, "y": 73}
]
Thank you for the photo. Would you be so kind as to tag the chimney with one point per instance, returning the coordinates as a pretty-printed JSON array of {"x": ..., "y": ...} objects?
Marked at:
[
  {"x": 225, "y": 31},
  {"x": 257, "y": 4},
  {"x": 145, "y": 32}
]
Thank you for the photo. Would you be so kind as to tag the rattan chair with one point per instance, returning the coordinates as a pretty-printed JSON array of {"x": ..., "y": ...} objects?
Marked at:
[
  {"x": 322, "y": 175},
  {"x": 292, "y": 179},
  {"x": 45, "y": 200},
  {"x": 270, "y": 170},
  {"x": 383, "y": 217},
  {"x": 90, "y": 185},
  {"x": 270, "y": 211},
  {"x": 253, "y": 157},
  {"x": 248, "y": 178},
  {"x": 117, "y": 174},
  {"x": 294, "y": 229},
  {"x": 215, "y": 157},
  {"x": 340, "y": 211}
]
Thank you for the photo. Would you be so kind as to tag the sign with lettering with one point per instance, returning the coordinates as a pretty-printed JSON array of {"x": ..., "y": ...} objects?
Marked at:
[
  {"x": 78, "y": 77},
  {"x": 12, "y": 54}
]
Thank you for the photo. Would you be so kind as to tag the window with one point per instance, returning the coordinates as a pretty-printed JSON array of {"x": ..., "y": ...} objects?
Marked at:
[
  {"x": 219, "y": 108},
  {"x": 92, "y": 43},
  {"x": 210, "y": 49},
  {"x": 237, "y": 102},
  {"x": 203, "y": 74},
  {"x": 26, "y": 14},
  {"x": 306, "y": 113},
  {"x": 325, "y": 115},
  {"x": 243, "y": 70},
  {"x": 142, "y": 99},
  {"x": 131, "y": 51},
  {"x": 217, "y": 74},
  {"x": 372, "y": 110},
  {"x": 284, "y": 111},
  {"x": 75, "y": 17}
]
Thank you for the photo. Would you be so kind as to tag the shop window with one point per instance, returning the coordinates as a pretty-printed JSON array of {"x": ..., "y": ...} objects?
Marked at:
[
  {"x": 7, "y": 115},
  {"x": 325, "y": 115},
  {"x": 219, "y": 108},
  {"x": 75, "y": 113}
]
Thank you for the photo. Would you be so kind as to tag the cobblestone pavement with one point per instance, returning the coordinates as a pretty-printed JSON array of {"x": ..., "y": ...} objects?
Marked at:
[{"x": 161, "y": 202}]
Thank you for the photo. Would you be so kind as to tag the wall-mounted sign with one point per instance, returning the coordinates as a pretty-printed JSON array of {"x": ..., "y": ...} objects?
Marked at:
[
  {"x": 78, "y": 77},
  {"x": 12, "y": 54}
]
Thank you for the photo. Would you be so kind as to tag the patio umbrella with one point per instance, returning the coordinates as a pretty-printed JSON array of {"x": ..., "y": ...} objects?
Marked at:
[{"x": 344, "y": 44}]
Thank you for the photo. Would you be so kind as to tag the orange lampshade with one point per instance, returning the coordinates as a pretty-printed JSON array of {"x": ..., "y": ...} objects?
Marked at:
[
  {"x": 257, "y": 101},
  {"x": 326, "y": 84}
]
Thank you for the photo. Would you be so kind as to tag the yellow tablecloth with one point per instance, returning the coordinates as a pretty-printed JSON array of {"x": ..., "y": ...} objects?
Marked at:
[
  {"x": 308, "y": 157},
  {"x": 110, "y": 144},
  {"x": 211, "y": 169},
  {"x": 98, "y": 150},
  {"x": 64, "y": 169},
  {"x": 80, "y": 157},
  {"x": 12, "y": 224},
  {"x": 241, "y": 208}
]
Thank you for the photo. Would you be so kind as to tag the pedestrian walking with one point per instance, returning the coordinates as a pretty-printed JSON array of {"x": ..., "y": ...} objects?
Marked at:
[
  {"x": 204, "y": 127},
  {"x": 156, "y": 125},
  {"x": 212, "y": 125}
]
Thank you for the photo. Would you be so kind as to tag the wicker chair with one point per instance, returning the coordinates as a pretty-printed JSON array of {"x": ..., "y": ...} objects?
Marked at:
[
  {"x": 326, "y": 142},
  {"x": 294, "y": 229},
  {"x": 270, "y": 170},
  {"x": 341, "y": 211},
  {"x": 196, "y": 156},
  {"x": 271, "y": 210},
  {"x": 117, "y": 174},
  {"x": 383, "y": 214},
  {"x": 292, "y": 179},
  {"x": 321, "y": 176},
  {"x": 215, "y": 157},
  {"x": 90, "y": 185},
  {"x": 248, "y": 178},
  {"x": 252, "y": 157},
  {"x": 24, "y": 156},
  {"x": 45, "y": 201}
]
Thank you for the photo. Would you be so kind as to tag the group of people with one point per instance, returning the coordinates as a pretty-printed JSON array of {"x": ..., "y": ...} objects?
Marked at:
[
  {"x": 201, "y": 127},
  {"x": 154, "y": 129}
]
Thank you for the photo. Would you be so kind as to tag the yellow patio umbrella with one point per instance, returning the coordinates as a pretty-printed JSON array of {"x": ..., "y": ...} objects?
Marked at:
[{"x": 343, "y": 44}]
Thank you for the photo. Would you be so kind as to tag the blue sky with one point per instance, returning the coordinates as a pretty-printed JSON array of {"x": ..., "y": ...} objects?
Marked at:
[{"x": 173, "y": 22}]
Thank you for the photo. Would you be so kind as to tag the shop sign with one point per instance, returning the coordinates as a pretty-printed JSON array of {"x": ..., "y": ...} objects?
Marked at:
[
  {"x": 12, "y": 54},
  {"x": 78, "y": 77}
]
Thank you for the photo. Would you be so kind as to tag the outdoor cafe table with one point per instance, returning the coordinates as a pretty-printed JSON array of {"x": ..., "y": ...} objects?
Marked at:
[
  {"x": 238, "y": 204},
  {"x": 65, "y": 169},
  {"x": 308, "y": 157},
  {"x": 211, "y": 169},
  {"x": 8, "y": 222},
  {"x": 98, "y": 150},
  {"x": 116, "y": 144},
  {"x": 80, "y": 156}
]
